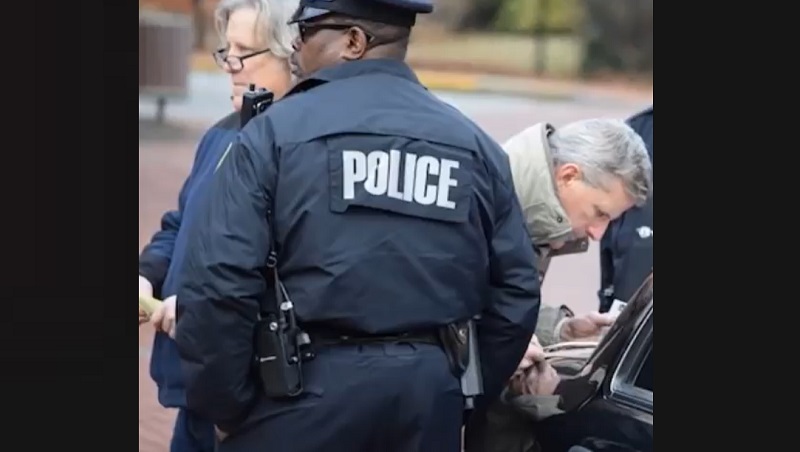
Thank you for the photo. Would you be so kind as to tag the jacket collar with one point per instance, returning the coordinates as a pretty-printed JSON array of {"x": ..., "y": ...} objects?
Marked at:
[
  {"x": 356, "y": 68},
  {"x": 532, "y": 168}
]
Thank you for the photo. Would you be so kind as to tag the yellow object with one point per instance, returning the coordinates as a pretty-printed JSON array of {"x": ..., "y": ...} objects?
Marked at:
[
  {"x": 453, "y": 81},
  {"x": 148, "y": 304}
]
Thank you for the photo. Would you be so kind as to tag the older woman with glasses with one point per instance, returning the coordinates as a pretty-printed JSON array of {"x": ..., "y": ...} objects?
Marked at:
[{"x": 257, "y": 43}]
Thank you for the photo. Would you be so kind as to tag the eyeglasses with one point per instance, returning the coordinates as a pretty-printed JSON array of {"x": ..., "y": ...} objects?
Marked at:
[
  {"x": 232, "y": 62},
  {"x": 306, "y": 29}
]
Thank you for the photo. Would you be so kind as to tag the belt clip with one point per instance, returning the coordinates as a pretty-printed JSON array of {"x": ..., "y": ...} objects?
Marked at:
[{"x": 272, "y": 260}]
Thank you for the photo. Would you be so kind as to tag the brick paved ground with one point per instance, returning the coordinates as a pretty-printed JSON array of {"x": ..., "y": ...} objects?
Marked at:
[
  {"x": 155, "y": 422},
  {"x": 165, "y": 157}
]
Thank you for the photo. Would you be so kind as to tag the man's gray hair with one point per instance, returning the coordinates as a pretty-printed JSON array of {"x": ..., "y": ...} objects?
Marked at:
[
  {"x": 273, "y": 16},
  {"x": 605, "y": 149}
]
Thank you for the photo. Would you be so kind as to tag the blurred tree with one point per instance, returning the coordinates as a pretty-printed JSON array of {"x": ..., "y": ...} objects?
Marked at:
[
  {"x": 618, "y": 36},
  {"x": 562, "y": 16},
  {"x": 462, "y": 15}
]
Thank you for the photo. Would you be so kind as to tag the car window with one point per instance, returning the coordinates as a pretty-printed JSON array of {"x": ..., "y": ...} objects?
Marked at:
[
  {"x": 645, "y": 378},
  {"x": 632, "y": 382}
]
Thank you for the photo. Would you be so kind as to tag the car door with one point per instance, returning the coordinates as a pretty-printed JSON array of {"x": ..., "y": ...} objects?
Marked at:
[
  {"x": 621, "y": 417},
  {"x": 609, "y": 406}
]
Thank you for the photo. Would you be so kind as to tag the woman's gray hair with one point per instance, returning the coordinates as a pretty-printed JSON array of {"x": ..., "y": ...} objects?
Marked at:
[
  {"x": 605, "y": 149},
  {"x": 273, "y": 16}
]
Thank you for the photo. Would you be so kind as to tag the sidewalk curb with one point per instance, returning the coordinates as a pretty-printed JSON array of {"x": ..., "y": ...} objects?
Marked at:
[
  {"x": 476, "y": 83},
  {"x": 462, "y": 82}
]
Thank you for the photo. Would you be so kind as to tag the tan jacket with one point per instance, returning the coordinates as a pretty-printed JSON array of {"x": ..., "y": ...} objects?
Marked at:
[{"x": 532, "y": 169}]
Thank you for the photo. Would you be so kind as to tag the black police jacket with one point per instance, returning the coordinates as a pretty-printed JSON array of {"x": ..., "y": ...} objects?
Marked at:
[
  {"x": 626, "y": 250},
  {"x": 391, "y": 212}
]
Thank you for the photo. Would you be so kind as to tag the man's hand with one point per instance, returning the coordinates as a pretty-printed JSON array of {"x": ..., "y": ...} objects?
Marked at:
[
  {"x": 585, "y": 326},
  {"x": 545, "y": 381},
  {"x": 533, "y": 355},
  {"x": 539, "y": 379},
  {"x": 145, "y": 288},
  {"x": 163, "y": 318}
]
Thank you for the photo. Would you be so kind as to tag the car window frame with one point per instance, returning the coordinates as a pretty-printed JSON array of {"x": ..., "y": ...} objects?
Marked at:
[{"x": 623, "y": 387}]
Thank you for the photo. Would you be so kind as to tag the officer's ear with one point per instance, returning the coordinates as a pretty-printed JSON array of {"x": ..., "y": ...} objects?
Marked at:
[
  {"x": 355, "y": 44},
  {"x": 567, "y": 173}
]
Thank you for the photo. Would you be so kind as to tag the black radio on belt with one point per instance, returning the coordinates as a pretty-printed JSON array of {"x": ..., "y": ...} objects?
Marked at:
[
  {"x": 254, "y": 101},
  {"x": 280, "y": 345}
]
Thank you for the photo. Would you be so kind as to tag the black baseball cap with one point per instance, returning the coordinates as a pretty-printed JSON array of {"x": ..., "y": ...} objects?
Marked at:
[{"x": 402, "y": 13}]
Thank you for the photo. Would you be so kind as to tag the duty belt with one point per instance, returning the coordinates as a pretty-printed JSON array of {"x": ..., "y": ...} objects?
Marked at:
[{"x": 321, "y": 337}]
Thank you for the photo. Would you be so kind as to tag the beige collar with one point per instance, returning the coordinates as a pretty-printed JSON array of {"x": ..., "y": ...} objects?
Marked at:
[{"x": 532, "y": 169}]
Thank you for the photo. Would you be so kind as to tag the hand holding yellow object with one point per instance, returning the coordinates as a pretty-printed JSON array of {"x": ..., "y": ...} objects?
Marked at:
[{"x": 148, "y": 305}]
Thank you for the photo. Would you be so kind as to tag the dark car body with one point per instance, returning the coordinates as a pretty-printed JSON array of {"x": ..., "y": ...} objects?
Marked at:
[{"x": 608, "y": 404}]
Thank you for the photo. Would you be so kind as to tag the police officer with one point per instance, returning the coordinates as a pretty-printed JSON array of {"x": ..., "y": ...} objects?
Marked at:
[
  {"x": 626, "y": 250},
  {"x": 392, "y": 216}
]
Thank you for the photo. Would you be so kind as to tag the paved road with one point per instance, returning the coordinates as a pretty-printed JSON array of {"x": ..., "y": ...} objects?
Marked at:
[{"x": 165, "y": 156}]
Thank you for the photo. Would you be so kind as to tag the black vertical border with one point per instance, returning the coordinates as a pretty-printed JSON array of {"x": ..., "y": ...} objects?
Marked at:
[{"x": 70, "y": 225}]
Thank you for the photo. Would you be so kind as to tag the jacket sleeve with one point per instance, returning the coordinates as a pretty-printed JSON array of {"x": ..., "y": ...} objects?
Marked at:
[
  {"x": 536, "y": 407},
  {"x": 605, "y": 294},
  {"x": 157, "y": 255},
  {"x": 642, "y": 124},
  {"x": 509, "y": 319},
  {"x": 546, "y": 325},
  {"x": 222, "y": 281}
]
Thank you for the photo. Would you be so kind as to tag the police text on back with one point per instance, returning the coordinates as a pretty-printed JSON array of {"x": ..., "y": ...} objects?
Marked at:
[{"x": 379, "y": 172}]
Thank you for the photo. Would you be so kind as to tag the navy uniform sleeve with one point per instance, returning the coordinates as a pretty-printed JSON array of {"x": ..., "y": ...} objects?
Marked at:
[
  {"x": 510, "y": 317},
  {"x": 157, "y": 255},
  {"x": 223, "y": 280},
  {"x": 605, "y": 294},
  {"x": 642, "y": 123}
]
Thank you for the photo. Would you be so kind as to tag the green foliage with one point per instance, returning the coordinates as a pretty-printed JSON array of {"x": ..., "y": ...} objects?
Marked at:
[
  {"x": 526, "y": 15},
  {"x": 621, "y": 38}
]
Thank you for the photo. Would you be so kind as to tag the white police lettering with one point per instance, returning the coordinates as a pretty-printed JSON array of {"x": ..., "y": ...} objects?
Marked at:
[{"x": 379, "y": 172}]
